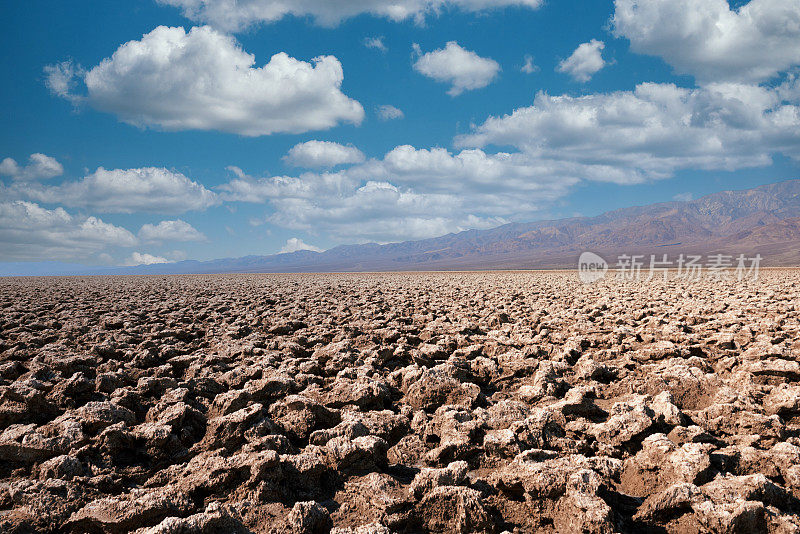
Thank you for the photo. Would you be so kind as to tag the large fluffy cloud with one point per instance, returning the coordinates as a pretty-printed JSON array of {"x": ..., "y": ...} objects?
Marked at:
[
  {"x": 586, "y": 60},
  {"x": 463, "y": 69},
  {"x": 313, "y": 154},
  {"x": 39, "y": 167},
  {"x": 708, "y": 39},
  {"x": 652, "y": 131},
  {"x": 29, "y": 232},
  {"x": 203, "y": 80},
  {"x": 232, "y": 15},
  {"x": 148, "y": 189}
]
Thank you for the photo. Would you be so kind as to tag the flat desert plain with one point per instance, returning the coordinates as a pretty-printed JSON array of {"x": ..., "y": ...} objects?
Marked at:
[{"x": 376, "y": 403}]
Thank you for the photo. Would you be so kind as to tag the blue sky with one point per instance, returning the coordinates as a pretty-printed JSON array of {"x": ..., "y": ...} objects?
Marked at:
[{"x": 116, "y": 151}]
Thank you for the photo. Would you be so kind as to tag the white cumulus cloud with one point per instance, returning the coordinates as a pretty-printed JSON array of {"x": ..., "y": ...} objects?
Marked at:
[
  {"x": 585, "y": 61},
  {"x": 294, "y": 244},
  {"x": 652, "y": 131},
  {"x": 463, "y": 69},
  {"x": 314, "y": 154},
  {"x": 711, "y": 41},
  {"x": 39, "y": 167},
  {"x": 29, "y": 232},
  {"x": 147, "y": 189},
  {"x": 203, "y": 80},
  {"x": 176, "y": 230},
  {"x": 235, "y": 15}
]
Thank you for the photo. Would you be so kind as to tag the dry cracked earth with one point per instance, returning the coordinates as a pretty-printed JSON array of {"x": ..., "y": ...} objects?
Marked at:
[{"x": 377, "y": 403}]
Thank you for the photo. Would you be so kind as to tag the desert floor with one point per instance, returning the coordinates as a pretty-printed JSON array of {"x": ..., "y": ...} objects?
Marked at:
[{"x": 373, "y": 403}]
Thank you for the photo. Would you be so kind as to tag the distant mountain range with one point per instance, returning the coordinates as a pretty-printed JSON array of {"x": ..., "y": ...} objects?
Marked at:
[{"x": 764, "y": 220}]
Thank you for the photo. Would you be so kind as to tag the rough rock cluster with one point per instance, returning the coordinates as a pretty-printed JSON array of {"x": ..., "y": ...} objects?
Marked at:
[{"x": 377, "y": 403}]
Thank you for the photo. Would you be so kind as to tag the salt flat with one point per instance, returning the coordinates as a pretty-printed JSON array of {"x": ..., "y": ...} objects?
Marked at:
[{"x": 425, "y": 402}]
